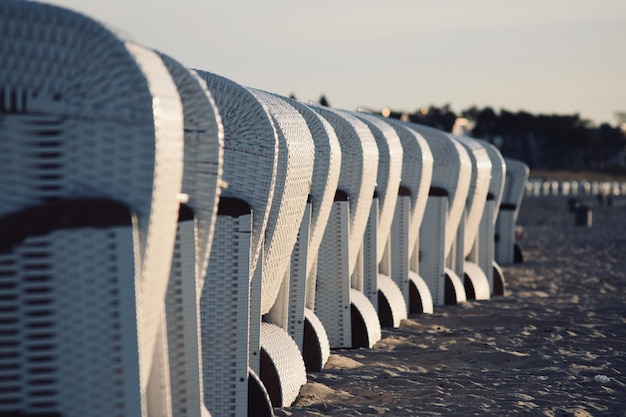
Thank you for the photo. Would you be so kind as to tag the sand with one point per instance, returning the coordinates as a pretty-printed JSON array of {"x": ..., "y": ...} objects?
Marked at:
[{"x": 536, "y": 351}]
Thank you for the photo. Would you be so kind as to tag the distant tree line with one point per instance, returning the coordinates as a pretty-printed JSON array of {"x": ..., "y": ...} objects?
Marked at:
[{"x": 543, "y": 141}]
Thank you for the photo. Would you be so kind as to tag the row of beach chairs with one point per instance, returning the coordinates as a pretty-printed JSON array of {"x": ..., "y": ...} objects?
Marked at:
[{"x": 173, "y": 243}]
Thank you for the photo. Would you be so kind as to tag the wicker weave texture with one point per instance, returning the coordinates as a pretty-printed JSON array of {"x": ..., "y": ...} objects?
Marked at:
[
  {"x": 498, "y": 173},
  {"x": 203, "y": 155},
  {"x": 479, "y": 188},
  {"x": 359, "y": 166},
  {"x": 64, "y": 340},
  {"x": 293, "y": 183},
  {"x": 286, "y": 360},
  {"x": 250, "y": 152},
  {"x": 417, "y": 172},
  {"x": 514, "y": 184},
  {"x": 224, "y": 313},
  {"x": 452, "y": 172},
  {"x": 389, "y": 173},
  {"x": 326, "y": 169},
  {"x": 91, "y": 114}
]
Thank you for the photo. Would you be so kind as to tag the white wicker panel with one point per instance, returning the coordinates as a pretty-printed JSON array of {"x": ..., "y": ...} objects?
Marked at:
[
  {"x": 479, "y": 188},
  {"x": 203, "y": 155},
  {"x": 321, "y": 336},
  {"x": 332, "y": 292},
  {"x": 417, "y": 172},
  {"x": 505, "y": 232},
  {"x": 97, "y": 116},
  {"x": 390, "y": 157},
  {"x": 399, "y": 246},
  {"x": 485, "y": 249},
  {"x": 202, "y": 173},
  {"x": 452, "y": 172},
  {"x": 293, "y": 184},
  {"x": 224, "y": 315},
  {"x": 326, "y": 168},
  {"x": 423, "y": 291},
  {"x": 287, "y": 361},
  {"x": 369, "y": 316},
  {"x": 297, "y": 281},
  {"x": 394, "y": 297},
  {"x": 479, "y": 281},
  {"x": 182, "y": 315},
  {"x": 498, "y": 172},
  {"x": 368, "y": 281},
  {"x": 457, "y": 286},
  {"x": 516, "y": 177},
  {"x": 432, "y": 252},
  {"x": 359, "y": 165},
  {"x": 68, "y": 321},
  {"x": 250, "y": 151}
]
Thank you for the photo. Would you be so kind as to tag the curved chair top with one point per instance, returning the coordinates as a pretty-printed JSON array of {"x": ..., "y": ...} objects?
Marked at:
[
  {"x": 326, "y": 169},
  {"x": 478, "y": 191},
  {"x": 203, "y": 153},
  {"x": 87, "y": 113},
  {"x": 250, "y": 152},
  {"x": 417, "y": 171},
  {"x": 359, "y": 165},
  {"x": 452, "y": 170},
  {"x": 498, "y": 172},
  {"x": 293, "y": 184},
  {"x": 516, "y": 177},
  {"x": 390, "y": 156}
]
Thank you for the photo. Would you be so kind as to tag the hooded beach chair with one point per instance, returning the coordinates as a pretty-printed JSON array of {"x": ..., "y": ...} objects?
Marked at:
[
  {"x": 484, "y": 249},
  {"x": 304, "y": 326},
  {"x": 375, "y": 279},
  {"x": 348, "y": 316},
  {"x": 417, "y": 170},
  {"x": 282, "y": 368},
  {"x": 507, "y": 250},
  {"x": 466, "y": 265},
  {"x": 91, "y": 165},
  {"x": 204, "y": 141},
  {"x": 444, "y": 210},
  {"x": 230, "y": 302}
]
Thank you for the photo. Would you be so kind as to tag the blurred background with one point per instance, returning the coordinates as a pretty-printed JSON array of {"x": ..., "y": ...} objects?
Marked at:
[{"x": 543, "y": 80}]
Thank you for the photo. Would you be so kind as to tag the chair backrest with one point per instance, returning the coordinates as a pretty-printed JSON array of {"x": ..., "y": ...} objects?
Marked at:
[
  {"x": 417, "y": 172},
  {"x": 359, "y": 165},
  {"x": 203, "y": 156},
  {"x": 478, "y": 190},
  {"x": 516, "y": 177},
  {"x": 451, "y": 172},
  {"x": 204, "y": 141},
  {"x": 390, "y": 156},
  {"x": 250, "y": 152},
  {"x": 87, "y": 113},
  {"x": 293, "y": 183},
  {"x": 498, "y": 172},
  {"x": 326, "y": 169}
]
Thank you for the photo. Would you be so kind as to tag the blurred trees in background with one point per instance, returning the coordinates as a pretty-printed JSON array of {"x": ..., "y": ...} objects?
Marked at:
[{"x": 543, "y": 141}]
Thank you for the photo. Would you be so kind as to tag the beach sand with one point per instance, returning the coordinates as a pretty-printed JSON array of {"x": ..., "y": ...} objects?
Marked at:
[{"x": 536, "y": 351}]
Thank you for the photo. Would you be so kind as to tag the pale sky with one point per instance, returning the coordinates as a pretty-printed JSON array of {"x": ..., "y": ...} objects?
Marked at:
[{"x": 542, "y": 56}]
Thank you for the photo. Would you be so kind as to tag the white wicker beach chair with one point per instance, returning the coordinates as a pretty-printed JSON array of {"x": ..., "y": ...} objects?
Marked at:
[
  {"x": 304, "y": 326},
  {"x": 348, "y": 316},
  {"x": 291, "y": 192},
  {"x": 484, "y": 250},
  {"x": 507, "y": 251},
  {"x": 474, "y": 278},
  {"x": 204, "y": 141},
  {"x": 91, "y": 165},
  {"x": 377, "y": 279},
  {"x": 444, "y": 211},
  {"x": 417, "y": 169},
  {"x": 230, "y": 303}
]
